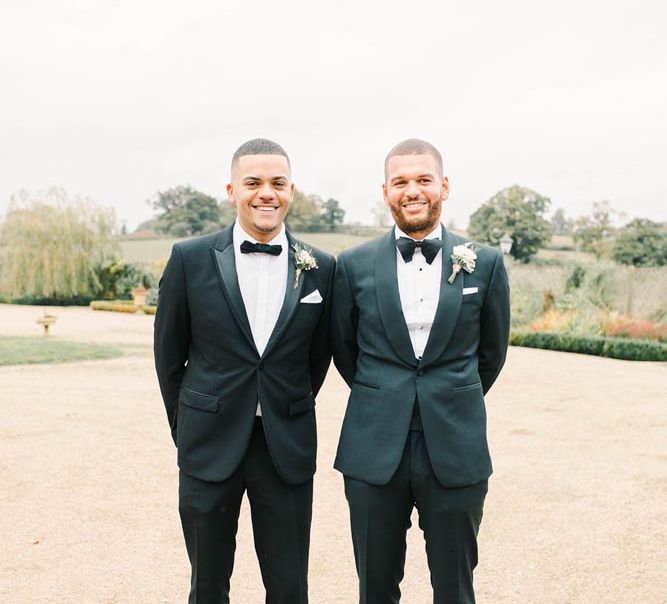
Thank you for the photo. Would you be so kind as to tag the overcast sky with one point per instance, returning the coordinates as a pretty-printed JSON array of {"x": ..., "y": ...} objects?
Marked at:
[{"x": 118, "y": 99}]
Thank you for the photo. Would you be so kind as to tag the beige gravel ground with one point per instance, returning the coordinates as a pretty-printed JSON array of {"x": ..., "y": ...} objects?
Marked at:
[{"x": 88, "y": 501}]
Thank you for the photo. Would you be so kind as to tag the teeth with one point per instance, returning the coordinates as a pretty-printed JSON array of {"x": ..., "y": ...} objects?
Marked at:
[{"x": 265, "y": 208}]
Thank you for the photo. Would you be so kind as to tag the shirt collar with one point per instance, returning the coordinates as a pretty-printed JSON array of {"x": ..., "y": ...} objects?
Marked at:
[
  {"x": 436, "y": 233},
  {"x": 239, "y": 236}
]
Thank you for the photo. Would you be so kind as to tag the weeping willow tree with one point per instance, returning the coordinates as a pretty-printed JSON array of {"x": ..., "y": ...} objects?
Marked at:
[{"x": 51, "y": 245}]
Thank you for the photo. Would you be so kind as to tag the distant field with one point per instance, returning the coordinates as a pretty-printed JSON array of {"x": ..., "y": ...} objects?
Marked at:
[
  {"x": 561, "y": 242},
  {"x": 149, "y": 250},
  {"x": 566, "y": 255}
]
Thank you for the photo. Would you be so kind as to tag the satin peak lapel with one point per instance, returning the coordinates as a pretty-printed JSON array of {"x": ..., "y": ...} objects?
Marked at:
[
  {"x": 292, "y": 296},
  {"x": 223, "y": 255},
  {"x": 449, "y": 305},
  {"x": 389, "y": 300}
]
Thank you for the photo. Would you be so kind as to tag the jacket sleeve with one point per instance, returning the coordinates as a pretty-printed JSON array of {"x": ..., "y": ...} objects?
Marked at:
[
  {"x": 344, "y": 320},
  {"x": 171, "y": 340},
  {"x": 320, "y": 349},
  {"x": 495, "y": 326}
]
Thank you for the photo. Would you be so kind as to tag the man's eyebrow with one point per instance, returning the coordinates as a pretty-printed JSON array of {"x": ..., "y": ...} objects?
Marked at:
[
  {"x": 251, "y": 177},
  {"x": 426, "y": 175}
]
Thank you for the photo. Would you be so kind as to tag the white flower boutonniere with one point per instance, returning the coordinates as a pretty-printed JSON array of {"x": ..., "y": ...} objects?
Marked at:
[
  {"x": 303, "y": 260},
  {"x": 463, "y": 257}
]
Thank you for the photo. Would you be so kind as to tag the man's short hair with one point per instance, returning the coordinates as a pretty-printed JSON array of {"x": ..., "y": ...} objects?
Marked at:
[
  {"x": 414, "y": 146},
  {"x": 259, "y": 146}
]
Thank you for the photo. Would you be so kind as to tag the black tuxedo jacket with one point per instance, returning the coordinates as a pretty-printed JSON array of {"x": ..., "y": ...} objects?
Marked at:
[
  {"x": 211, "y": 375},
  {"x": 373, "y": 352}
]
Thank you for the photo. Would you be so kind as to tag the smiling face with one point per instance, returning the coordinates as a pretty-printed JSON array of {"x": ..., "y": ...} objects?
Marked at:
[
  {"x": 414, "y": 191},
  {"x": 262, "y": 191}
]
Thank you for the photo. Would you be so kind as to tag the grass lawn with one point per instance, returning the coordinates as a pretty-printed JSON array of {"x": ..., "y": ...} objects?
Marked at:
[{"x": 23, "y": 351}]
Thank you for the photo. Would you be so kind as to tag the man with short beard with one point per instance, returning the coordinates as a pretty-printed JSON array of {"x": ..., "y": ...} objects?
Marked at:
[{"x": 420, "y": 327}]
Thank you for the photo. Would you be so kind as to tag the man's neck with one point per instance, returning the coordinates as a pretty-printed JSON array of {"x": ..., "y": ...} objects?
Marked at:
[
  {"x": 435, "y": 232},
  {"x": 266, "y": 238}
]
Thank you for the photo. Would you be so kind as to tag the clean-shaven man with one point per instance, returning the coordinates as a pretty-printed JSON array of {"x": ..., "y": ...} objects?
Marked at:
[
  {"x": 420, "y": 327},
  {"x": 241, "y": 351}
]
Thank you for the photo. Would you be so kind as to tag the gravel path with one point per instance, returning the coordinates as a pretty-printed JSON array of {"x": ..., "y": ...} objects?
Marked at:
[{"x": 88, "y": 497}]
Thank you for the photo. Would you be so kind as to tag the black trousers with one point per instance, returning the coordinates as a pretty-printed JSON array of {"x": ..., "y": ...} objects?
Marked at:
[
  {"x": 449, "y": 518},
  {"x": 281, "y": 516}
]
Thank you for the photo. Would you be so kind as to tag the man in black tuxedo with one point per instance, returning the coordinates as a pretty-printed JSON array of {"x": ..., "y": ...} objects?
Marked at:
[
  {"x": 419, "y": 342},
  {"x": 241, "y": 351}
]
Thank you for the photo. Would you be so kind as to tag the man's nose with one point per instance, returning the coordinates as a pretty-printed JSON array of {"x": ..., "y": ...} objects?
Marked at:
[
  {"x": 266, "y": 191},
  {"x": 412, "y": 190}
]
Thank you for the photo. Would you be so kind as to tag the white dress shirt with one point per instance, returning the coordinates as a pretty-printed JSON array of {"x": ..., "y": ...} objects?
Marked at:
[
  {"x": 419, "y": 289},
  {"x": 263, "y": 282}
]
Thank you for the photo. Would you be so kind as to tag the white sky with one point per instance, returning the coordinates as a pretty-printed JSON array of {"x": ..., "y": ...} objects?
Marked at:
[{"x": 117, "y": 99}]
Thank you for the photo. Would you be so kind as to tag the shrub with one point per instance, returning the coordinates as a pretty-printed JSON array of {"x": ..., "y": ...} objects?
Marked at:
[
  {"x": 56, "y": 301},
  {"x": 118, "y": 279},
  {"x": 627, "y": 327},
  {"x": 641, "y": 242},
  {"x": 114, "y": 306},
  {"x": 576, "y": 278},
  {"x": 584, "y": 321},
  {"x": 151, "y": 296},
  {"x": 616, "y": 348},
  {"x": 551, "y": 321},
  {"x": 518, "y": 212}
]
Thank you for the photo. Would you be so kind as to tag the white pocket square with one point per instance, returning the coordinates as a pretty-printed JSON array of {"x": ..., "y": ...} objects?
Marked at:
[
  {"x": 470, "y": 290},
  {"x": 313, "y": 297}
]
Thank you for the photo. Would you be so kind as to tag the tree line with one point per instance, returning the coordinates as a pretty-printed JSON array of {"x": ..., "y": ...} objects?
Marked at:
[
  {"x": 520, "y": 213},
  {"x": 183, "y": 211},
  {"x": 54, "y": 247}
]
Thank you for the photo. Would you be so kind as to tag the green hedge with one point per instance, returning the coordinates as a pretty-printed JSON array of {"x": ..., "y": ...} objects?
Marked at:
[
  {"x": 614, "y": 348},
  {"x": 35, "y": 301},
  {"x": 114, "y": 305}
]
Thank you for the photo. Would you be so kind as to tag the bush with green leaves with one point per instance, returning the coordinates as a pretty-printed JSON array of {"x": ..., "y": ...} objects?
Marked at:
[
  {"x": 576, "y": 278},
  {"x": 641, "y": 242},
  {"x": 151, "y": 296},
  {"x": 52, "y": 301},
  {"x": 515, "y": 211},
  {"x": 615, "y": 348},
  {"x": 118, "y": 279},
  {"x": 594, "y": 232},
  {"x": 184, "y": 211}
]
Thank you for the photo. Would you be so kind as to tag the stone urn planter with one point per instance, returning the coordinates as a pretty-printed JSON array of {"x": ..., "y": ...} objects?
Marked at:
[{"x": 46, "y": 321}]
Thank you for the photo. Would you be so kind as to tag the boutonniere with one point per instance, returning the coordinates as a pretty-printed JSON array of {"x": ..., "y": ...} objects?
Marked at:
[
  {"x": 463, "y": 257},
  {"x": 303, "y": 260}
]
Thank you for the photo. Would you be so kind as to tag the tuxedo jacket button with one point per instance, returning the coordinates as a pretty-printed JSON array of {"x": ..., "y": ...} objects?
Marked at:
[{"x": 420, "y": 372}]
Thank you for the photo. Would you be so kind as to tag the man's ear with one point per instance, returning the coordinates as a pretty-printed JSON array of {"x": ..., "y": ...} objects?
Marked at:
[
  {"x": 384, "y": 193},
  {"x": 445, "y": 188},
  {"x": 230, "y": 194}
]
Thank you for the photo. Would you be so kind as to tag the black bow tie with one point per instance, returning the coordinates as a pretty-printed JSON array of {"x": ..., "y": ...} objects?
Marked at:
[
  {"x": 248, "y": 247},
  {"x": 429, "y": 248}
]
